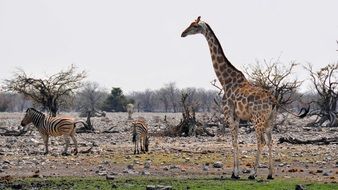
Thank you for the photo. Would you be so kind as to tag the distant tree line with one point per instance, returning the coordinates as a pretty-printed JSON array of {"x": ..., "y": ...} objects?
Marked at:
[
  {"x": 168, "y": 99},
  {"x": 66, "y": 91}
]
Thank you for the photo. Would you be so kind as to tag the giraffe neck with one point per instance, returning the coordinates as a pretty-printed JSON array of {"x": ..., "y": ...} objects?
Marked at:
[{"x": 227, "y": 74}]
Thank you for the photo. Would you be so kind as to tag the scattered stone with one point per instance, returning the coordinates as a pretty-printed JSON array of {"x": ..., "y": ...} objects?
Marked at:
[
  {"x": 218, "y": 164},
  {"x": 205, "y": 168}
]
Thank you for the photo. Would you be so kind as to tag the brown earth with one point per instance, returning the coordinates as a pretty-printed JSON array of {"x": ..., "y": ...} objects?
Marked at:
[{"x": 112, "y": 153}]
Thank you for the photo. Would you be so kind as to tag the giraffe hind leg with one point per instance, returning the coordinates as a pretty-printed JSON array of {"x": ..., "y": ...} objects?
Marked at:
[
  {"x": 269, "y": 138},
  {"x": 260, "y": 145}
]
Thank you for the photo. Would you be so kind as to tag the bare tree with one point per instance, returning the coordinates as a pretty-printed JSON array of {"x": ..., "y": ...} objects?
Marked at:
[
  {"x": 163, "y": 96},
  {"x": 325, "y": 82},
  {"x": 90, "y": 98},
  {"x": 49, "y": 92},
  {"x": 275, "y": 77},
  {"x": 173, "y": 95}
]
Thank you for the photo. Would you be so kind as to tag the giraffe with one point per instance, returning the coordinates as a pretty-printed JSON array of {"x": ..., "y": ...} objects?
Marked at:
[{"x": 241, "y": 99}]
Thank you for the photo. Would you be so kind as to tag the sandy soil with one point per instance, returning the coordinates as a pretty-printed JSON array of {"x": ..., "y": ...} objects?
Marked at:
[{"x": 112, "y": 153}]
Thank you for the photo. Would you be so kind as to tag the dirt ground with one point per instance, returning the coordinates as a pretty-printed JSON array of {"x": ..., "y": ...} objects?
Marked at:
[{"x": 112, "y": 153}]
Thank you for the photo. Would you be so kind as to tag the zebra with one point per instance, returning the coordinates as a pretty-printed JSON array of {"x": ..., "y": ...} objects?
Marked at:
[
  {"x": 140, "y": 136},
  {"x": 52, "y": 126}
]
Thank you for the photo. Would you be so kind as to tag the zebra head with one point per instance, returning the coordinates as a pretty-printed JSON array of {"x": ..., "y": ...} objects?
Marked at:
[
  {"x": 146, "y": 144},
  {"x": 28, "y": 117}
]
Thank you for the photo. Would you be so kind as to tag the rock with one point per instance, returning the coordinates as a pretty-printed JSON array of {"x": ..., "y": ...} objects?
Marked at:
[
  {"x": 33, "y": 141},
  {"x": 262, "y": 166},
  {"x": 165, "y": 168},
  {"x": 147, "y": 164},
  {"x": 158, "y": 187},
  {"x": 145, "y": 172},
  {"x": 218, "y": 164},
  {"x": 326, "y": 174},
  {"x": 173, "y": 167},
  {"x": 205, "y": 168},
  {"x": 319, "y": 171},
  {"x": 126, "y": 171},
  {"x": 110, "y": 177},
  {"x": 102, "y": 173},
  {"x": 130, "y": 167},
  {"x": 246, "y": 171},
  {"x": 299, "y": 187}
]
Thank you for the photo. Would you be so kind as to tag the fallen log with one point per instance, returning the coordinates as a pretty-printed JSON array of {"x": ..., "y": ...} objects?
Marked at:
[
  {"x": 319, "y": 141},
  {"x": 12, "y": 132}
]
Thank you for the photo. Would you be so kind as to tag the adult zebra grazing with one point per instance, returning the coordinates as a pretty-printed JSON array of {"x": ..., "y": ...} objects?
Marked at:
[
  {"x": 52, "y": 126},
  {"x": 140, "y": 136}
]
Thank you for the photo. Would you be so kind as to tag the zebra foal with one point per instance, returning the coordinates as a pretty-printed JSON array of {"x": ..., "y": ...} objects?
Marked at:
[
  {"x": 52, "y": 126},
  {"x": 140, "y": 136}
]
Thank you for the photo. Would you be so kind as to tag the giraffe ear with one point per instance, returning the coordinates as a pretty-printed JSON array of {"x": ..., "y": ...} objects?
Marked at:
[{"x": 198, "y": 19}]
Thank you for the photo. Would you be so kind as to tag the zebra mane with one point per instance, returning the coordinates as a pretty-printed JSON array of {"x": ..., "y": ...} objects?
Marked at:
[{"x": 36, "y": 111}]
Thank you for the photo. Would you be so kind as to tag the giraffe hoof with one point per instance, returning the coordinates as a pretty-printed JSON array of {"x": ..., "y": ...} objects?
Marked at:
[
  {"x": 252, "y": 177},
  {"x": 233, "y": 176},
  {"x": 270, "y": 177}
]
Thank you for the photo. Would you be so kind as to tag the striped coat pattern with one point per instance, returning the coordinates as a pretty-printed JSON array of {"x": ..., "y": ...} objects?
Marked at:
[
  {"x": 140, "y": 136},
  {"x": 52, "y": 126}
]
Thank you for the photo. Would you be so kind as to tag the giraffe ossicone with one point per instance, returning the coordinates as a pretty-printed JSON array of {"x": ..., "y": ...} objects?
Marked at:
[{"x": 241, "y": 100}]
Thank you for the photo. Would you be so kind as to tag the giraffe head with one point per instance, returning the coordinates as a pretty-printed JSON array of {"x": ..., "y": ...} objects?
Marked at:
[{"x": 196, "y": 27}]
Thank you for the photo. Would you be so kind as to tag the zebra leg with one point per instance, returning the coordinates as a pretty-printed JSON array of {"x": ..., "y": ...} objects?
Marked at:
[
  {"x": 45, "y": 140},
  {"x": 135, "y": 147},
  {"x": 75, "y": 143},
  {"x": 141, "y": 145},
  {"x": 64, "y": 153}
]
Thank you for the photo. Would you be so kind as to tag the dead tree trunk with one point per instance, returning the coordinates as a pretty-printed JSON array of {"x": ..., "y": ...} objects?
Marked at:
[
  {"x": 88, "y": 127},
  {"x": 188, "y": 126}
]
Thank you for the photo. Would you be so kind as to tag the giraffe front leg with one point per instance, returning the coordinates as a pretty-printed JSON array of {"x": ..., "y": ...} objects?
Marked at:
[{"x": 234, "y": 135}]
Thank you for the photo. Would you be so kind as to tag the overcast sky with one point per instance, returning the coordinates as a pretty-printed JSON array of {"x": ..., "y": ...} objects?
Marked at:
[{"x": 136, "y": 45}]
